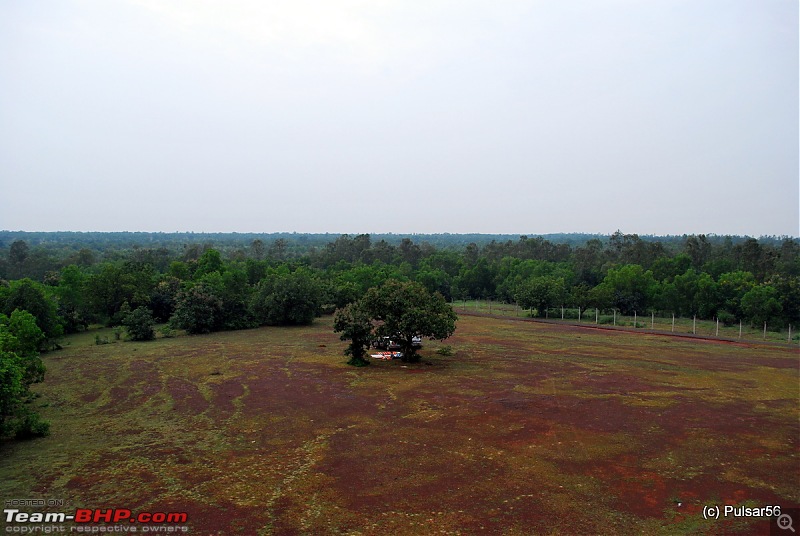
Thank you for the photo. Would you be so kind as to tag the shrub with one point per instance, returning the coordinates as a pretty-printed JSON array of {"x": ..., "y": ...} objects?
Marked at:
[
  {"x": 167, "y": 332},
  {"x": 198, "y": 310},
  {"x": 139, "y": 324},
  {"x": 30, "y": 425},
  {"x": 327, "y": 308},
  {"x": 445, "y": 350},
  {"x": 570, "y": 314},
  {"x": 726, "y": 318}
]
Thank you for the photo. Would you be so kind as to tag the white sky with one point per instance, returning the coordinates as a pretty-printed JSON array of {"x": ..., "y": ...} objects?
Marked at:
[{"x": 649, "y": 116}]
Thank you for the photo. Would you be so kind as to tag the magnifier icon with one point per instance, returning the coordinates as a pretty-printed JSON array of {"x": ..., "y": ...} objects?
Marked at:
[{"x": 784, "y": 522}]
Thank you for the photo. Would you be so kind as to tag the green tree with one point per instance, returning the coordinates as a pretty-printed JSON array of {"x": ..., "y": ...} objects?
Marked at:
[
  {"x": 257, "y": 249},
  {"x": 114, "y": 284},
  {"x": 761, "y": 304},
  {"x": 732, "y": 288},
  {"x": 788, "y": 288},
  {"x": 24, "y": 338},
  {"x": 20, "y": 366},
  {"x": 209, "y": 261},
  {"x": 633, "y": 288},
  {"x": 12, "y": 390},
  {"x": 407, "y": 310},
  {"x": 287, "y": 299},
  {"x": 71, "y": 295},
  {"x": 198, "y": 310},
  {"x": 33, "y": 297},
  {"x": 140, "y": 324},
  {"x": 541, "y": 293},
  {"x": 355, "y": 325},
  {"x": 164, "y": 298},
  {"x": 18, "y": 255}
]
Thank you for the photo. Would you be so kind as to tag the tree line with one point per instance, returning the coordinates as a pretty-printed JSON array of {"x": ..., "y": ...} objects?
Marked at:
[{"x": 202, "y": 289}]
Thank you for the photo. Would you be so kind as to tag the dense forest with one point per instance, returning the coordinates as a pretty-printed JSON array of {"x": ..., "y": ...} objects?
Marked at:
[{"x": 207, "y": 282}]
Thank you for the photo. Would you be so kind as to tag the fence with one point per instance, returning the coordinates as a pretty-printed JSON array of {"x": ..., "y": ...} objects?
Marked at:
[{"x": 647, "y": 321}]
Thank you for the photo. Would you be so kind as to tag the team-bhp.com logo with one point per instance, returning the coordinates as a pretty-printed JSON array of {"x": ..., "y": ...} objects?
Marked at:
[{"x": 97, "y": 515}]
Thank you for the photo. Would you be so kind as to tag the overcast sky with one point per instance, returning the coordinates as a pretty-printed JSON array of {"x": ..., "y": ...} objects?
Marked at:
[{"x": 521, "y": 117}]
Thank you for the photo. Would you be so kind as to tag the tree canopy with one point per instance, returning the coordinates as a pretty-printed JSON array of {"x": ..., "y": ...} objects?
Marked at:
[{"x": 401, "y": 310}]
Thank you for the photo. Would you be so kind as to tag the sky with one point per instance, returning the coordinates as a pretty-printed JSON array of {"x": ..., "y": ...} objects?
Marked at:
[{"x": 403, "y": 116}]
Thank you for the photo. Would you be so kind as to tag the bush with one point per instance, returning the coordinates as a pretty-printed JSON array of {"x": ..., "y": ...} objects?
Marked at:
[
  {"x": 570, "y": 314},
  {"x": 327, "y": 308},
  {"x": 167, "y": 332},
  {"x": 30, "y": 425},
  {"x": 140, "y": 324},
  {"x": 198, "y": 310},
  {"x": 287, "y": 300},
  {"x": 726, "y": 318},
  {"x": 445, "y": 351}
]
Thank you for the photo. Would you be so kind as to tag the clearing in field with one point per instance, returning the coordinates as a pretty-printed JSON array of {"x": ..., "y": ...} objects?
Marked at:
[{"x": 527, "y": 429}]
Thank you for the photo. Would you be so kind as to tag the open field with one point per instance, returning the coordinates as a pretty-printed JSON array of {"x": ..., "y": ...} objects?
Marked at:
[
  {"x": 646, "y": 321},
  {"x": 528, "y": 429}
]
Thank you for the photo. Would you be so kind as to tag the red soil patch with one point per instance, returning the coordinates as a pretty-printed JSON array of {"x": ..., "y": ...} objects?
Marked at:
[
  {"x": 224, "y": 393},
  {"x": 186, "y": 396},
  {"x": 612, "y": 383},
  {"x": 144, "y": 382}
]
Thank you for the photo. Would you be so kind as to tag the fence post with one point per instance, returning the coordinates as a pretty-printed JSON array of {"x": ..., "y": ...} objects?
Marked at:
[
  {"x": 562, "y": 312},
  {"x": 653, "y": 320},
  {"x": 717, "y": 335},
  {"x": 673, "y": 322},
  {"x": 694, "y": 325},
  {"x": 765, "y": 331},
  {"x": 579, "y": 316},
  {"x": 634, "y": 320},
  {"x": 740, "y": 329},
  {"x": 596, "y": 315},
  {"x": 615, "y": 317},
  {"x": 790, "y": 334}
]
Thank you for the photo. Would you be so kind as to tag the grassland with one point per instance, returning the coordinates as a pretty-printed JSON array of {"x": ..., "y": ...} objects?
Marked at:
[
  {"x": 528, "y": 429},
  {"x": 645, "y": 321}
]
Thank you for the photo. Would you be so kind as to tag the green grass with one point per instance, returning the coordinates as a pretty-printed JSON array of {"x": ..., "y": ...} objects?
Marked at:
[
  {"x": 705, "y": 328},
  {"x": 527, "y": 428}
]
